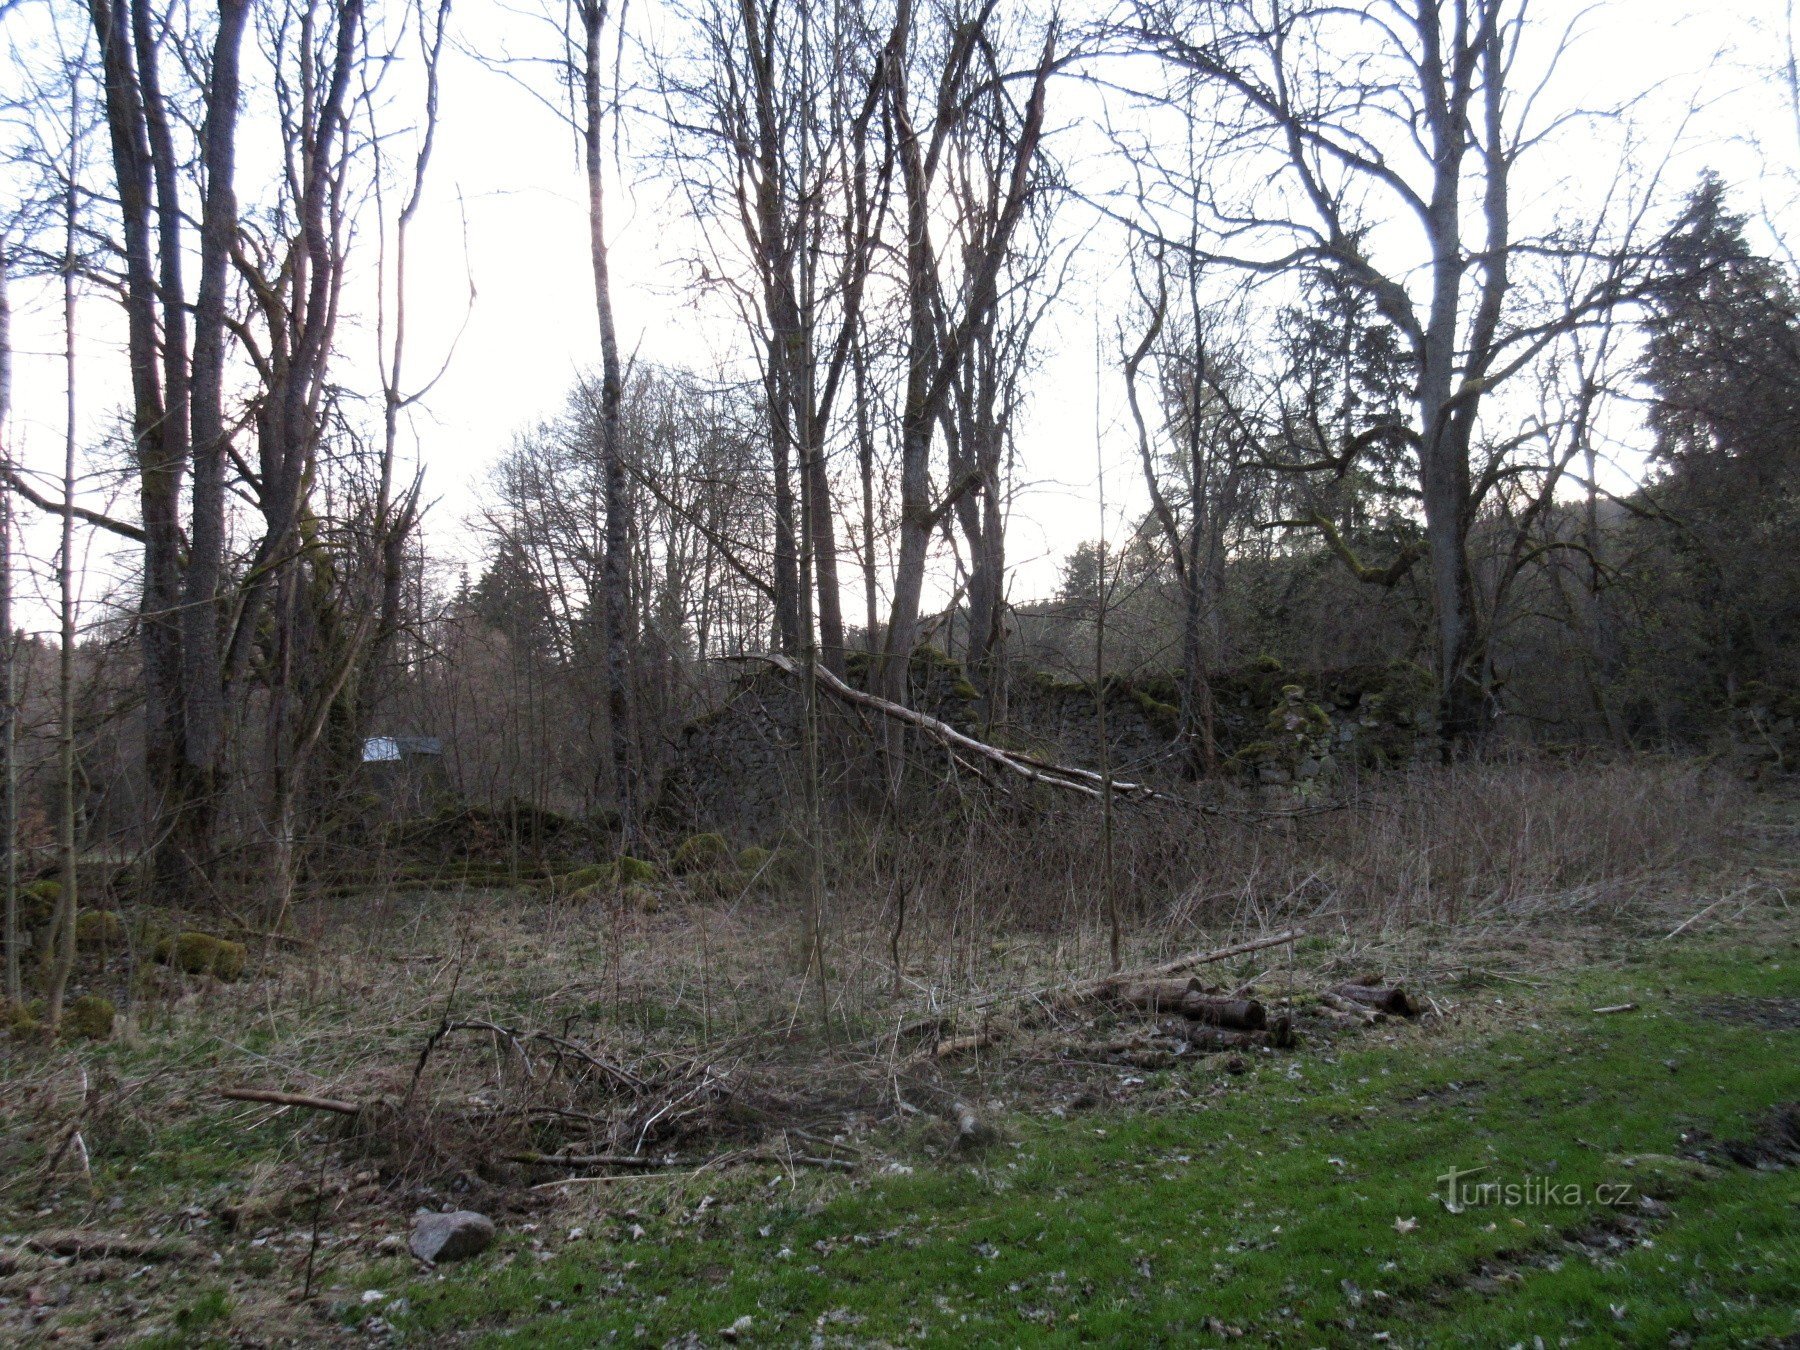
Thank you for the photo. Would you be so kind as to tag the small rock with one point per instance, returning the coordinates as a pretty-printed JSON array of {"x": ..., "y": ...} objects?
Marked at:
[{"x": 451, "y": 1237}]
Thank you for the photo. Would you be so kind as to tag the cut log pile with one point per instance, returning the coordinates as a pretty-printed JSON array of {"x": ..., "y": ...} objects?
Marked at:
[
  {"x": 1209, "y": 1019},
  {"x": 1195, "y": 1017}
]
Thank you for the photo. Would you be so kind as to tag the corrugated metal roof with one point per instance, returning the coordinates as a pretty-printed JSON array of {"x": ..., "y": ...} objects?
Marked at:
[{"x": 392, "y": 749}]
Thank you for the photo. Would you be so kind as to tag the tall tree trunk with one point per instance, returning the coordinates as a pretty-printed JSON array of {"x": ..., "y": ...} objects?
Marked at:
[
  {"x": 9, "y": 780},
  {"x": 160, "y": 468},
  {"x": 865, "y": 463},
  {"x": 62, "y": 926},
  {"x": 824, "y": 561},
  {"x": 615, "y": 566},
  {"x": 203, "y": 676}
]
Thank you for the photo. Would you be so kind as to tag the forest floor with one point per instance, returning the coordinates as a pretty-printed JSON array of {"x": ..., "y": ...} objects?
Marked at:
[{"x": 1639, "y": 1164}]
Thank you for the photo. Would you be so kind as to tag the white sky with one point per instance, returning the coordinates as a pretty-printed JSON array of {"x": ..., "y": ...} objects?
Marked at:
[{"x": 509, "y": 167}]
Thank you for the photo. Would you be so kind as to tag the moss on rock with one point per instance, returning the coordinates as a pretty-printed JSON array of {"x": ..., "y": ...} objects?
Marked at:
[
  {"x": 572, "y": 885},
  {"x": 89, "y": 1017},
  {"x": 700, "y": 853},
  {"x": 203, "y": 954},
  {"x": 98, "y": 928},
  {"x": 630, "y": 871},
  {"x": 20, "y": 1020}
]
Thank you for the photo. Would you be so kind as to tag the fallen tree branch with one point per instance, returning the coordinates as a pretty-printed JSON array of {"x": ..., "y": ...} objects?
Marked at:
[
  {"x": 80, "y": 1244},
  {"x": 587, "y": 1160},
  {"x": 1063, "y": 776},
  {"x": 1395, "y": 1000},
  {"x": 1186, "y": 962},
  {"x": 290, "y": 1099}
]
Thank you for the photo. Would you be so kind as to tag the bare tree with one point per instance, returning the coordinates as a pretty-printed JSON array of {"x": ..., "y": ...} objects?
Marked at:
[
  {"x": 1194, "y": 445},
  {"x": 586, "y": 57},
  {"x": 773, "y": 124},
  {"x": 9, "y": 772},
  {"x": 981, "y": 414},
  {"x": 1338, "y": 119},
  {"x": 61, "y": 944},
  {"x": 178, "y": 399},
  {"x": 945, "y": 316}
]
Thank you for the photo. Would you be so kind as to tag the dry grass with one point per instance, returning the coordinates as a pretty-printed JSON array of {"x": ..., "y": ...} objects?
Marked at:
[
  {"x": 990, "y": 900},
  {"x": 694, "y": 1028}
]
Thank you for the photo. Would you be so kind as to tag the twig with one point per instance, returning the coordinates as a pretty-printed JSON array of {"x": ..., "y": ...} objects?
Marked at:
[
  {"x": 616, "y": 1176},
  {"x": 1615, "y": 1008},
  {"x": 1693, "y": 917},
  {"x": 342, "y": 1108},
  {"x": 587, "y": 1160}
]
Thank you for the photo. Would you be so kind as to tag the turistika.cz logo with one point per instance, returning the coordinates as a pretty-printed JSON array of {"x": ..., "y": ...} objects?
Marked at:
[{"x": 1459, "y": 1192}]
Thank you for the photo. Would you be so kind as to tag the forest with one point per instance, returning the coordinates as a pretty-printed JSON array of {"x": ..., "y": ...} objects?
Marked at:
[{"x": 783, "y": 671}]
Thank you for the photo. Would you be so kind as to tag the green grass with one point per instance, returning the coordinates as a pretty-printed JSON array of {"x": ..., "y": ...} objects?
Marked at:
[{"x": 1266, "y": 1207}]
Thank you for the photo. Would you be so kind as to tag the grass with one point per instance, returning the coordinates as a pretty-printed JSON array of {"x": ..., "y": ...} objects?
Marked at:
[{"x": 1297, "y": 1203}]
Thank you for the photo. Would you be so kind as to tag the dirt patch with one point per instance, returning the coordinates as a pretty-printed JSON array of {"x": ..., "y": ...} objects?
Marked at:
[
  {"x": 1774, "y": 1143},
  {"x": 1773, "y": 1014}
]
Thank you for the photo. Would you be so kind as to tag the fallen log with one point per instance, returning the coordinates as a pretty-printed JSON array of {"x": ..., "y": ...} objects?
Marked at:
[
  {"x": 1190, "y": 1000},
  {"x": 1240, "y": 1014},
  {"x": 1096, "y": 987},
  {"x": 1279, "y": 1035},
  {"x": 1082, "y": 991},
  {"x": 1151, "y": 995},
  {"x": 80, "y": 1244},
  {"x": 1388, "y": 1000},
  {"x": 290, "y": 1099},
  {"x": 1349, "y": 1008}
]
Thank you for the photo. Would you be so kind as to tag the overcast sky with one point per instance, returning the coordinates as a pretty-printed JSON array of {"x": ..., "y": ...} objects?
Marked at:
[{"x": 508, "y": 169}]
